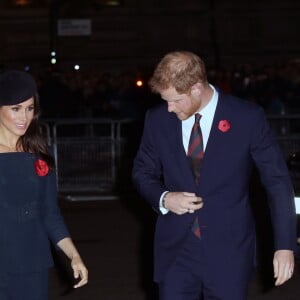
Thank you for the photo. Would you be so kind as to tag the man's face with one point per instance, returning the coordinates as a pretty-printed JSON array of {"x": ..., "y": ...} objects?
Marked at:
[{"x": 183, "y": 105}]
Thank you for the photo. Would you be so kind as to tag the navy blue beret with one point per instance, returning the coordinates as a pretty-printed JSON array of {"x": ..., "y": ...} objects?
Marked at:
[{"x": 16, "y": 87}]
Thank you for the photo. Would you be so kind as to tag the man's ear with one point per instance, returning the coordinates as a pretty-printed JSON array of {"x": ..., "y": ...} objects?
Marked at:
[{"x": 196, "y": 89}]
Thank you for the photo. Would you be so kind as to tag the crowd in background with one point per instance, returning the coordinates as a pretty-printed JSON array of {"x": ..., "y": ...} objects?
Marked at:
[
  {"x": 79, "y": 94},
  {"x": 275, "y": 87}
]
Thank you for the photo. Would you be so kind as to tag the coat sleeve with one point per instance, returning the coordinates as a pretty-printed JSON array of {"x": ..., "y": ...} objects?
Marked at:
[
  {"x": 275, "y": 178},
  {"x": 53, "y": 219},
  {"x": 147, "y": 168}
]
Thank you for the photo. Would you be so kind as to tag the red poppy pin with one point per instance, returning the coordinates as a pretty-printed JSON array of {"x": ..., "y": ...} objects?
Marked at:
[
  {"x": 41, "y": 167},
  {"x": 224, "y": 125}
]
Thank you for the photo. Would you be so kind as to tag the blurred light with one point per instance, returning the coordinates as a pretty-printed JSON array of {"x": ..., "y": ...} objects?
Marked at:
[
  {"x": 112, "y": 3},
  {"x": 108, "y": 2},
  {"x": 297, "y": 204},
  {"x": 53, "y": 53},
  {"x": 27, "y": 68},
  {"x": 76, "y": 67},
  {"x": 22, "y": 2},
  {"x": 53, "y": 61},
  {"x": 139, "y": 83}
]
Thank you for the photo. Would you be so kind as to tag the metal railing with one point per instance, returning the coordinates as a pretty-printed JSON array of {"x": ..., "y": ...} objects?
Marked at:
[{"x": 86, "y": 153}]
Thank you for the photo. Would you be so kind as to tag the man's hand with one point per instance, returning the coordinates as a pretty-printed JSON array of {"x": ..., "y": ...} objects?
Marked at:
[
  {"x": 182, "y": 202},
  {"x": 283, "y": 266}
]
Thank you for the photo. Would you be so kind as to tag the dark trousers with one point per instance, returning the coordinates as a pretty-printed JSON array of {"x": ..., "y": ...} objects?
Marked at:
[
  {"x": 27, "y": 286},
  {"x": 194, "y": 277}
]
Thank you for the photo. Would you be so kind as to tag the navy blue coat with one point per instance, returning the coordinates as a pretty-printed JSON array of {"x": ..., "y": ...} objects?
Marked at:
[{"x": 29, "y": 215}]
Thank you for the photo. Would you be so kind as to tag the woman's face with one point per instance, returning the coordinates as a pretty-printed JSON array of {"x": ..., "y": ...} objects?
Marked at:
[{"x": 15, "y": 119}]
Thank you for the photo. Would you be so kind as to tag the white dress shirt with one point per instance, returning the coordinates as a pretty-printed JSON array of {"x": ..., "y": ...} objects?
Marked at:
[{"x": 206, "y": 121}]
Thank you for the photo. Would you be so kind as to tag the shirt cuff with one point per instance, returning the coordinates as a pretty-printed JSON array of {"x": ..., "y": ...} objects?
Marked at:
[{"x": 161, "y": 208}]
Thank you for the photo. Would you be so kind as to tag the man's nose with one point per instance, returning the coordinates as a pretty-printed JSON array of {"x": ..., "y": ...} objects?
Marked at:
[{"x": 170, "y": 107}]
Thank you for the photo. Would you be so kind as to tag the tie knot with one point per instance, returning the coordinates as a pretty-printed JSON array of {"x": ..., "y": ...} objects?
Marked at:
[{"x": 197, "y": 117}]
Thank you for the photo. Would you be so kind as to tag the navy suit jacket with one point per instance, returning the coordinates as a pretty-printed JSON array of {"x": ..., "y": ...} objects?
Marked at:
[{"x": 226, "y": 220}]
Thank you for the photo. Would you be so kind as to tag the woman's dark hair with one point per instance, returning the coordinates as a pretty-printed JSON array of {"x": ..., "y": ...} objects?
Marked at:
[{"x": 34, "y": 140}]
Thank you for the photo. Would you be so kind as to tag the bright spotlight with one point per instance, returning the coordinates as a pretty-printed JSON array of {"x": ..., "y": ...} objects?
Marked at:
[{"x": 139, "y": 83}]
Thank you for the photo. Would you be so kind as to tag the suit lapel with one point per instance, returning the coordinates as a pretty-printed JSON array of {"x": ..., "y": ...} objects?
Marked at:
[
  {"x": 214, "y": 132},
  {"x": 177, "y": 149},
  {"x": 214, "y": 145},
  {"x": 216, "y": 138}
]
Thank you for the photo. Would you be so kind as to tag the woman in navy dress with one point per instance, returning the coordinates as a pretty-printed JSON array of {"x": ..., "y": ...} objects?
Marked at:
[{"x": 29, "y": 216}]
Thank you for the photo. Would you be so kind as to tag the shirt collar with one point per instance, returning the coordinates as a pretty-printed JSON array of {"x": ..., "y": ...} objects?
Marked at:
[{"x": 210, "y": 108}]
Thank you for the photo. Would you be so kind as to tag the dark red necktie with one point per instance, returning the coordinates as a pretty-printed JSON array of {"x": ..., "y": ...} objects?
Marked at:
[
  {"x": 195, "y": 156},
  {"x": 195, "y": 150}
]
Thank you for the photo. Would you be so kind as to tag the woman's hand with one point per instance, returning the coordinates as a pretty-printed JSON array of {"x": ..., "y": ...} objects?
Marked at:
[{"x": 79, "y": 271}]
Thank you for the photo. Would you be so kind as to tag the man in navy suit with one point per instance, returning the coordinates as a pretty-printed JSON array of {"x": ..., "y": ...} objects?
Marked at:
[{"x": 205, "y": 235}]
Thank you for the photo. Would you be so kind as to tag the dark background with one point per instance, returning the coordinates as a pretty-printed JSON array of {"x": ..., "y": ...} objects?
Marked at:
[{"x": 133, "y": 34}]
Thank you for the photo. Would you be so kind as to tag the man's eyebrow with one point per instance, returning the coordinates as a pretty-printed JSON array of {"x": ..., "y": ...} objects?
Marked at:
[{"x": 173, "y": 100}]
